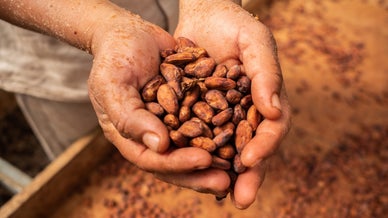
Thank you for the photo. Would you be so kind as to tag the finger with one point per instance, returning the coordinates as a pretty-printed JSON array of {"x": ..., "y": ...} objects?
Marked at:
[
  {"x": 268, "y": 137},
  {"x": 247, "y": 185},
  {"x": 211, "y": 181},
  {"x": 132, "y": 120},
  {"x": 171, "y": 161},
  {"x": 259, "y": 56}
]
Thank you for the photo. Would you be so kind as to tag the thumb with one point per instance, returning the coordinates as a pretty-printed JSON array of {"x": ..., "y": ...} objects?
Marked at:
[{"x": 259, "y": 57}]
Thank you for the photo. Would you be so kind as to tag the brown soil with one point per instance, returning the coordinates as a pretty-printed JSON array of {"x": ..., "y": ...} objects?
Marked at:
[{"x": 18, "y": 145}]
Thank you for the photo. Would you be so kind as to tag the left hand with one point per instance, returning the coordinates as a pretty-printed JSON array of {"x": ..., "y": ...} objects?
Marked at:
[{"x": 232, "y": 36}]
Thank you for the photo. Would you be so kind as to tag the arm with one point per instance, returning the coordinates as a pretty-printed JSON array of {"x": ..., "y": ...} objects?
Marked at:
[{"x": 66, "y": 20}]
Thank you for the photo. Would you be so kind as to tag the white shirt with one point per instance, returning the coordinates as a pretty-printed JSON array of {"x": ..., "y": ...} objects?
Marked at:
[{"x": 41, "y": 66}]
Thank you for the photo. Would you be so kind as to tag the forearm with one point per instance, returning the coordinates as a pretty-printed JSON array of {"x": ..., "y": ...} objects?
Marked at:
[{"x": 73, "y": 21}]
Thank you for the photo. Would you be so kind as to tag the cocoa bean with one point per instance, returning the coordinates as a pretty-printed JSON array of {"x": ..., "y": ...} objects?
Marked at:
[
  {"x": 204, "y": 143},
  {"x": 178, "y": 138},
  {"x": 233, "y": 96},
  {"x": 220, "y": 71},
  {"x": 246, "y": 101},
  {"x": 218, "y": 129},
  {"x": 180, "y": 58},
  {"x": 243, "y": 135},
  {"x": 173, "y": 76},
  {"x": 222, "y": 117},
  {"x": 182, "y": 43},
  {"x": 167, "y": 99},
  {"x": 201, "y": 68},
  {"x": 154, "y": 108},
  {"x": 237, "y": 164},
  {"x": 244, "y": 84},
  {"x": 171, "y": 120},
  {"x": 196, "y": 51},
  {"x": 188, "y": 83},
  {"x": 226, "y": 152},
  {"x": 219, "y": 83},
  {"x": 151, "y": 88},
  {"x": 216, "y": 99},
  {"x": 184, "y": 113},
  {"x": 206, "y": 129},
  {"x": 167, "y": 52},
  {"x": 191, "y": 96},
  {"x": 203, "y": 111},
  {"x": 191, "y": 129},
  {"x": 238, "y": 114},
  {"x": 222, "y": 138},
  {"x": 234, "y": 72},
  {"x": 253, "y": 117}
]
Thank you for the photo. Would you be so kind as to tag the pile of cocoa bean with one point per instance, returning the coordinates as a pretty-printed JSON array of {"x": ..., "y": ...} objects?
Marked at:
[{"x": 203, "y": 104}]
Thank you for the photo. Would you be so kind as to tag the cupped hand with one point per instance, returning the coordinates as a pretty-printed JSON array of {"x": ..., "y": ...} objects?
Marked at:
[
  {"x": 126, "y": 52},
  {"x": 233, "y": 36}
]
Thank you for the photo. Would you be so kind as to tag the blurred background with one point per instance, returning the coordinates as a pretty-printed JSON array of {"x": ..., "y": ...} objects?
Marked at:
[{"x": 334, "y": 161}]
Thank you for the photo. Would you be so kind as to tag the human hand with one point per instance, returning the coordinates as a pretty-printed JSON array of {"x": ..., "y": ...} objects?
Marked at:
[
  {"x": 126, "y": 56},
  {"x": 232, "y": 36}
]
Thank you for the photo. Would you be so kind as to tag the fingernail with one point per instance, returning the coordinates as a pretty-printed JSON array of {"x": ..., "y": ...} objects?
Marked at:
[
  {"x": 276, "y": 101},
  {"x": 151, "y": 140}
]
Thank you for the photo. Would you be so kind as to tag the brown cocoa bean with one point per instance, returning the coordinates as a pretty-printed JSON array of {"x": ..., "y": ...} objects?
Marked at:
[
  {"x": 191, "y": 96},
  {"x": 204, "y": 143},
  {"x": 182, "y": 43},
  {"x": 243, "y": 135},
  {"x": 203, "y": 89},
  {"x": 184, "y": 113},
  {"x": 253, "y": 117},
  {"x": 222, "y": 117},
  {"x": 196, "y": 51},
  {"x": 220, "y": 163},
  {"x": 218, "y": 129},
  {"x": 203, "y": 111},
  {"x": 233, "y": 96},
  {"x": 178, "y": 138},
  {"x": 244, "y": 84},
  {"x": 222, "y": 138},
  {"x": 167, "y": 52},
  {"x": 173, "y": 76},
  {"x": 201, "y": 68},
  {"x": 206, "y": 129},
  {"x": 238, "y": 167},
  {"x": 222, "y": 84},
  {"x": 180, "y": 58},
  {"x": 226, "y": 152},
  {"x": 246, "y": 101},
  {"x": 188, "y": 83},
  {"x": 154, "y": 108},
  {"x": 151, "y": 88},
  {"x": 167, "y": 99},
  {"x": 170, "y": 72},
  {"x": 191, "y": 129},
  {"x": 171, "y": 120},
  {"x": 238, "y": 114},
  {"x": 216, "y": 99},
  {"x": 220, "y": 71},
  {"x": 234, "y": 72}
]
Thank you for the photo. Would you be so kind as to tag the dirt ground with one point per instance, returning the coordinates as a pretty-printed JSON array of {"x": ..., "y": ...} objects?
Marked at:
[
  {"x": 18, "y": 145},
  {"x": 334, "y": 161}
]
